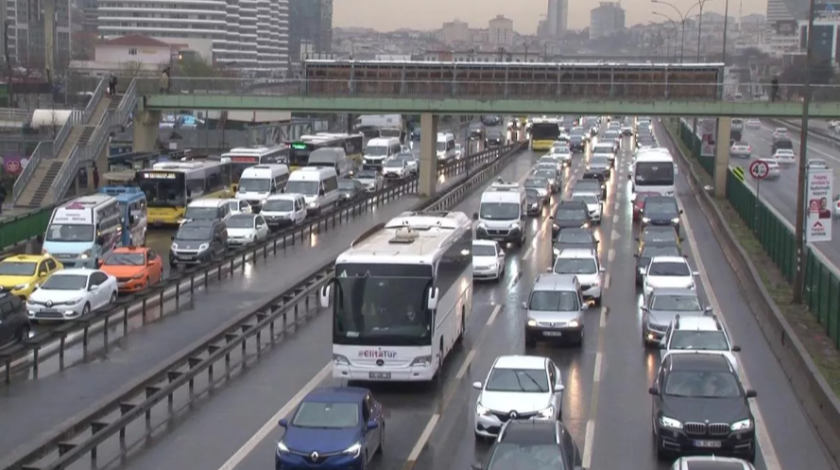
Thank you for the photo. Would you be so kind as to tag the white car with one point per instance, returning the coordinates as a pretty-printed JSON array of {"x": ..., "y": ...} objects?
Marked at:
[
  {"x": 244, "y": 229},
  {"x": 817, "y": 164},
  {"x": 780, "y": 132},
  {"x": 239, "y": 206},
  {"x": 585, "y": 265},
  {"x": 785, "y": 157},
  {"x": 740, "y": 149},
  {"x": 521, "y": 388},
  {"x": 459, "y": 152},
  {"x": 395, "y": 169},
  {"x": 774, "y": 171},
  {"x": 593, "y": 205},
  {"x": 668, "y": 272},
  {"x": 72, "y": 293},
  {"x": 753, "y": 124},
  {"x": 371, "y": 180},
  {"x": 411, "y": 161},
  {"x": 488, "y": 259},
  {"x": 692, "y": 333},
  {"x": 564, "y": 154}
]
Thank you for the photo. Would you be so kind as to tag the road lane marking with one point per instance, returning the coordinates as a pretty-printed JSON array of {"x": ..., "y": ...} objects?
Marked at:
[
  {"x": 466, "y": 365},
  {"x": 767, "y": 449},
  {"x": 587, "y": 446},
  {"x": 424, "y": 438},
  {"x": 271, "y": 424},
  {"x": 589, "y": 438}
]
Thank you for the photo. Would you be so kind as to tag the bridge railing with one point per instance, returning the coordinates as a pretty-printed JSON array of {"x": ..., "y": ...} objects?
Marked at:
[{"x": 608, "y": 88}]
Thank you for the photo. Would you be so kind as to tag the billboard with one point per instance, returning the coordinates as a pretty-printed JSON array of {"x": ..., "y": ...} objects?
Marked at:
[
  {"x": 818, "y": 221},
  {"x": 786, "y": 27}
]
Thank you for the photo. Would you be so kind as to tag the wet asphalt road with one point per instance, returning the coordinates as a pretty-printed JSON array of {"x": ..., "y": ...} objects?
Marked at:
[{"x": 606, "y": 404}]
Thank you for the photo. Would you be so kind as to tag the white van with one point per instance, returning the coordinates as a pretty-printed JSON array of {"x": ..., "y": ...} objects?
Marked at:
[
  {"x": 501, "y": 213},
  {"x": 333, "y": 157},
  {"x": 259, "y": 182},
  {"x": 84, "y": 231},
  {"x": 445, "y": 147},
  {"x": 207, "y": 209},
  {"x": 319, "y": 187},
  {"x": 379, "y": 150},
  {"x": 284, "y": 210}
]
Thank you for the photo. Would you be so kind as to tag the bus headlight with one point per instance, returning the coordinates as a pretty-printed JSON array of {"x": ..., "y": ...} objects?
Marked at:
[
  {"x": 340, "y": 360},
  {"x": 422, "y": 361}
]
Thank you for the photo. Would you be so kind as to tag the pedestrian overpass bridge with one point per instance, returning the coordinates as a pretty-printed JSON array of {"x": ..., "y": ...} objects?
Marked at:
[{"x": 416, "y": 87}]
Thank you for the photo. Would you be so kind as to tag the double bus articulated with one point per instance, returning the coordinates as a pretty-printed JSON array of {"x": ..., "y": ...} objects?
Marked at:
[
  {"x": 543, "y": 133},
  {"x": 170, "y": 186},
  {"x": 246, "y": 157},
  {"x": 401, "y": 298},
  {"x": 299, "y": 151}
]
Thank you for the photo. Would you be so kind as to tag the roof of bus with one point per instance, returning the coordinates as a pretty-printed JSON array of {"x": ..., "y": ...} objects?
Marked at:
[
  {"x": 91, "y": 200},
  {"x": 654, "y": 155},
  {"x": 253, "y": 150},
  {"x": 412, "y": 237},
  {"x": 184, "y": 167}
]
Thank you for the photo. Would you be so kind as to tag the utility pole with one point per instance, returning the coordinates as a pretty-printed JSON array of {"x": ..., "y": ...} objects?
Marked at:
[
  {"x": 799, "y": 279},
  {"x": 49, "y": 39}
]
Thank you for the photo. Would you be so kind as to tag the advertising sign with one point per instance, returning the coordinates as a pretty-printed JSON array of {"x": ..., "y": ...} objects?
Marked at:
[
  {"x": 827, "y": 11},
  {"x": 708, "y": 134},
  {"x": 818, "y": 221}
]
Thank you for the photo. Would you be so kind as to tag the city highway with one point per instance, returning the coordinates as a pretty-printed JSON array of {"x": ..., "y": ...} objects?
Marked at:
[
  {"x": 781, "y": 193},
  {"x": 56, "y": 395},
  {"x": 606, "y": 404}
]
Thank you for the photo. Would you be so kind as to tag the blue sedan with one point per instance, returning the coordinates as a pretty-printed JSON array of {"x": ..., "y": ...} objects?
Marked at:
[{"x": 332, "y": 428}]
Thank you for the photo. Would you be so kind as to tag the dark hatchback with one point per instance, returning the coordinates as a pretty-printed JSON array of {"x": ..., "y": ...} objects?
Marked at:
[
  {"x": 570, "y": 214},
  {"x": 198, "y": 241},
  {"x": 350, "y": 191},
  {"x": 14, "y": 320},
  {"x": 535, "y": 445},
  {"x": 661, "y": 211},
  {"x": 534, "y": 201},
  {"x": 572, "y": 237},
  {"x": 494, "y": 139},
  {"x": 601, "y": 165},
  {"x": 651, "y": 250},
  {"x": 701, "y": 407},
  {"x": 577, "y": 144},
  {"x": 592, "y": 184}
]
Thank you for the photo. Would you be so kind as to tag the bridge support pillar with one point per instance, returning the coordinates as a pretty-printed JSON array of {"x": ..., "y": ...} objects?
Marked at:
[
  {"x": 722, "y": 155},
  {"x": 146, "y": 125},
  {"x": 428, "y": 154}
]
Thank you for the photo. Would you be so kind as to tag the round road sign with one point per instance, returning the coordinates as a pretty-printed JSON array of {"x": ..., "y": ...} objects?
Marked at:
[{"x": 759, "y": 169}]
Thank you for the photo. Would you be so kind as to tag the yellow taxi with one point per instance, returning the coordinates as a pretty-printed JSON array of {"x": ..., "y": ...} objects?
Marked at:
[{"x": 22, "y": 274}]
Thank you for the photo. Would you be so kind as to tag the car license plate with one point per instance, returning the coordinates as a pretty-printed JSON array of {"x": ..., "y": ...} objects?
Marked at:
[
  {"x": 380, "y": 375},
  {"x": 48, "y": 311},
  {"x": 707, "y": 444},
  {"x": 552, "y": 333}
]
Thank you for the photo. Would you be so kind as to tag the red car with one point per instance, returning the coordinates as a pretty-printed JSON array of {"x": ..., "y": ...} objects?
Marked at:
[{"x": 639, "y": 203}]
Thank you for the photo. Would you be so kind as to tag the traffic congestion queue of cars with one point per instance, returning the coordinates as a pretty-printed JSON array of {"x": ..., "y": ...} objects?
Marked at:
[{"x": 520, "y": 404}]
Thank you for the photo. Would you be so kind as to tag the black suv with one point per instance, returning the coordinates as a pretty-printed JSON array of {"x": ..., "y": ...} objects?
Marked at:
[
  {"x": 14, "y": 322},
  {"x": 569, "y": 214},
  {"x": 661, "y": 211},
  {"x": 494, "y": 139},
  {"x": 577, "y": 144},
  {"x": 701, "y": 407},
  {"x": 198, "y": 241},
  {"x": 538, "y": 445}
]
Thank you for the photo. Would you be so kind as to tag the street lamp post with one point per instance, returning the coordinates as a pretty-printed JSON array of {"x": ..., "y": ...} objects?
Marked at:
[
  {"x": 799, "y": 278},
  {"x": 725, "y": 27},
  {"x": 682, "y": 41},
  {"x": 700, "y": 27},
  {"x": 683, "y": 19}
]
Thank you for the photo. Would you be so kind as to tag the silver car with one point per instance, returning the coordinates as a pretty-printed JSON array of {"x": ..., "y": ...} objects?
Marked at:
[
  {"x": 554, "y": 309},
  {"x": 371, "y": 180},
  {"x": 663, "y": 306}
]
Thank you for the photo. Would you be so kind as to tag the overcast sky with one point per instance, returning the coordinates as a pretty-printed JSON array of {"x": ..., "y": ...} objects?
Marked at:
[{"x": 387, "y": 15}]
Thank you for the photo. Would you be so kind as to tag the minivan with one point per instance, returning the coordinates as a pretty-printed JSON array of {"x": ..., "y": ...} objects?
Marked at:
[
  {"x": 331, "y": 158},
  {"x": 284, "y": 210},
  {"x": 319, "y": 187},
  {"x": 554, "y": 309}
]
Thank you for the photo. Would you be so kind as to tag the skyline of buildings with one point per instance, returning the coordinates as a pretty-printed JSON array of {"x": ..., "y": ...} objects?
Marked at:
[{"x": 606, "y": 19}]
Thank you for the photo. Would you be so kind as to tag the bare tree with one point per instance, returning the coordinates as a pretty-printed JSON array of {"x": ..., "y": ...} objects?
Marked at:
[
  {"x": 131, "y": 70},
  {"x": 84, "y": 46}
]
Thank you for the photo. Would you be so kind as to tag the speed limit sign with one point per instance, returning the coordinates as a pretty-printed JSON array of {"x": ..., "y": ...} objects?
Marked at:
[{"x": 759, "y": 169}]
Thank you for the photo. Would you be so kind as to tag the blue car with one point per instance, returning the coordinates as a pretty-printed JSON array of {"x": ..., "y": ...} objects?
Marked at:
[{"x": 332, "y": 428}]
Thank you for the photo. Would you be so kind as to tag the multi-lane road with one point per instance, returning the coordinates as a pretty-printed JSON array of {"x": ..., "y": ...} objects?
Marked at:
[
  {"x": 781, "y": 193},
  {"x": 606, "y": 404}
]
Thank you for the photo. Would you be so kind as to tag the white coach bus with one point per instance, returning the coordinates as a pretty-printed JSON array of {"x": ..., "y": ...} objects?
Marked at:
[{"x": 402, "y": 296}]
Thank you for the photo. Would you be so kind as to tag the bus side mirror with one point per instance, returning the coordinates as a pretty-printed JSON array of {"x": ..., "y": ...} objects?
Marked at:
[
  {"x": 325, "y": 296},
  {"x": 433, "y": 298}
]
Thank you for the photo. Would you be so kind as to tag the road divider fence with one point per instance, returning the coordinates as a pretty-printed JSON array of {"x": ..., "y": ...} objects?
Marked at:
[
  {"x": 822, "y": 290},
  {"x": 56, "y": 339},
  {"x": 245, "y": 335}
]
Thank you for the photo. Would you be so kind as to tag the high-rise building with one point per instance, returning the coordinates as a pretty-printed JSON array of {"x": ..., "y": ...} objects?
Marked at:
[
  {"x": 500, "y": 31},
  {"x": 26, "y": 33},
  {"x": 606, "y": 19},
  {"x": 251, "y": 34},
  {"x": 310, "y": 28},
  {"x": 783, "y": 17},
  {"x": 557, "y": 17}
]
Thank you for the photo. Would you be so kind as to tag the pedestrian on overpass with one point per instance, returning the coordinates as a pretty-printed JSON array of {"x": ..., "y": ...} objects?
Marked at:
[
  {"x": 774, "y": 89},
  {"x": 164, "y": 81}
]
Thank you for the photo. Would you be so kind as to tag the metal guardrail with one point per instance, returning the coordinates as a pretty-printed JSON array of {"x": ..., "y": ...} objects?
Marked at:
[
  {"x": 466, "y": 88},
  {"x": 95, "y": 98},
  {"x": 82, "y": 437},
  {"x": 54, "y": 341}
]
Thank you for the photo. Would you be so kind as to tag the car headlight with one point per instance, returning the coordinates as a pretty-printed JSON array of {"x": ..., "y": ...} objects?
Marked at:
[
  {"x": 741, "y": 425},
  {"x": 353, "y": 451},
  {"x": 482, "y": 225},
  {"x": 138, "y": 276},
  {"x": 85, "y": 254},
  {"x": 670, "y": 422},
  {"x": 535, "y": 206},
  {"x": 174, "y": 246},
  {"x": 597, "y": 281},
  {"x": 547, "y": 413},
  {"x": 645, "y": 220},
  {"x": 691, "y": 286},
  {"x": 481, "y": 411},
  {"x": 282, "y": 448},
  {"x": 313, "y": 204},
  {"x": 556, "y": 251},
  {"x": 574, "y": 323},
  {"x": 20, "y": 286},
  {"x": 515, "y": 226},
  {"x": 494, "y": 266},
  {"x": 532, "y": 322},
  {"x": 675, "y": 220},
  {"x": 203, "y": 246}
]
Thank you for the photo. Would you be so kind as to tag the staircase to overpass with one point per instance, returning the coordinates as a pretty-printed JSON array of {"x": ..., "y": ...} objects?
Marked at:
[{"x": 81, "y": 140}]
